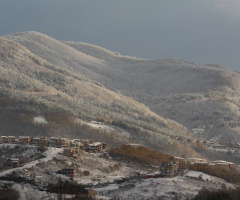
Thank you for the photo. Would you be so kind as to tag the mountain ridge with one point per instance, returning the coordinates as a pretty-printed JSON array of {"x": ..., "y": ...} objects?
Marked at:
[
  {"x": 43, "y": 87},
  {"x": 193, "y": 95}
]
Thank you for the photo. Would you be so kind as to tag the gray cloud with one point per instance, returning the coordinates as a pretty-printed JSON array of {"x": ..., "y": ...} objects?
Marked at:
[
  {"x": 201, "y": 31},
  {"x": 231, "y": 7}
]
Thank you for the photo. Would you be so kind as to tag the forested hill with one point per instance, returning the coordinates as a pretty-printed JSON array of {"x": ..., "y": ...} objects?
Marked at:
[
  {"x": 31, "y": 86},
  {"x": 202, "y": 97}
]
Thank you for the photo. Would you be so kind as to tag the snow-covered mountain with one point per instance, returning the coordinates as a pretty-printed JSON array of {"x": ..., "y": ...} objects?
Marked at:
[
  {"x": 30, "y": 85},
  {"x": 197, "y": 96}
]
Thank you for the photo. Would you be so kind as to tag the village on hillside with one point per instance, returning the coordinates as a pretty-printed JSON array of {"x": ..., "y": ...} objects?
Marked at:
[
  {"x": 74, "y": 147},
  {"x": 71, "y": 148},
  {"x": 40, "y": 160},
  {"x": 65, "y": 143}
]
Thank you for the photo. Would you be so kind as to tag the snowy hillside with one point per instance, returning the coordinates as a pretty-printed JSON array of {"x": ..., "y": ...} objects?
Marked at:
[
  {"x": 30, "y": 86},
  {"x": 184, "y": 187},
  {"x": 191, "y": 94}
]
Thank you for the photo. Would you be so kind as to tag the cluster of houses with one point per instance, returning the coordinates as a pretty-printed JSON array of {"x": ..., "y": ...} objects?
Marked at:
[
  {"x": 189, "y": 141},
  {"x": 172, "y": 169},
  {"x": 218, "y": 146},
  {"x": 70, "y": 146},
  {"x": 233, "y": 147},
  {"x": 202, "y": 162},
  {"x": 213, "y": 144}
]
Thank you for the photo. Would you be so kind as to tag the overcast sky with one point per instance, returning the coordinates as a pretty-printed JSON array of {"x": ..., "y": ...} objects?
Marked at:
[{"x": 203, "y": 31}]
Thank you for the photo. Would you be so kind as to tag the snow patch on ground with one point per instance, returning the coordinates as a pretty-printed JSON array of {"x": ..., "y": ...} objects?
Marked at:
[
  {"x": 205, "y": 177},
  {"x": 40, "y": 120},
  {"x": 100, "y": 125},
  {"x": 198, "y": 131},
  {"x": 9, "y": 146}
]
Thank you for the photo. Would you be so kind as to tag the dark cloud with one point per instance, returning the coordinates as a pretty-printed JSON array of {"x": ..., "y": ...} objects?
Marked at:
[{"x": 200, "y": 31}]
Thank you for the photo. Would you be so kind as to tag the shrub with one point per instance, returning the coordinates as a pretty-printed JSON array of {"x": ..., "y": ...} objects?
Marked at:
[
  {"x": 223, "y": 194},
  {"x": 86, "y": 173},
  {"x": 63, "y": 187},
  {"x": 142, "y": 155},
  {"x": 9, "y": 194}
]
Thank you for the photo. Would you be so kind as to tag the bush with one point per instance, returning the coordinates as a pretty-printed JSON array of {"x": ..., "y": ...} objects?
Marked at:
[
  {"x": 142, "y": 155},
  {"x": 86, "y": 173},
  {"x": 223, "y": 194},
  {"x": 9, "y": 194},
  {"x": 64, "y": 187}
]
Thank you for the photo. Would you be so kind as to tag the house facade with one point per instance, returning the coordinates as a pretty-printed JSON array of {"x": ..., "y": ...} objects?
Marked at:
[
  {"x": 13, "y": 162},
  {"x": 70, "y": 172},
  {"x": 224, "y": 164}
]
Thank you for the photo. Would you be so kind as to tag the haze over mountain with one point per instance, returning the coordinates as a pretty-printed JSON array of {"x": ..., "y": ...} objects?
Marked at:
[{"x": 205, "y": 97}]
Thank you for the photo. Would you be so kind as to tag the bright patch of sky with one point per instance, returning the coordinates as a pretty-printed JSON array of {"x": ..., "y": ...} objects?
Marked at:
[{"x": 231, "y": 7}]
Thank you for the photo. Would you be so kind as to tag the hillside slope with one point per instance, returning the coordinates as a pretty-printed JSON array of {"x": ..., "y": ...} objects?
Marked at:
[
  {"x": 197, "y": 96},
  {"x": 29, "y": 84}
]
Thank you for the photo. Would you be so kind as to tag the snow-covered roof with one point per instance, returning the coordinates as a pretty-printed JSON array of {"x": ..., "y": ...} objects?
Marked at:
[
  {"x": 221, "y": 162},
  {"x": 95, "y": 144},
  {"x": 76, "y": 140},
  {"x": 134, "y": 144},
  {"x": 195, "y": 159},
  {"x": 13, "y": 159},
  {"x": 180, "y": 158}
]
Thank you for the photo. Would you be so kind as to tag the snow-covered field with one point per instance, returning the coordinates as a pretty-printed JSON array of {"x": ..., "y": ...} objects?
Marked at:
[
  {"x": 167, "y": 188},
  {"x": 100, "y": 170}
]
